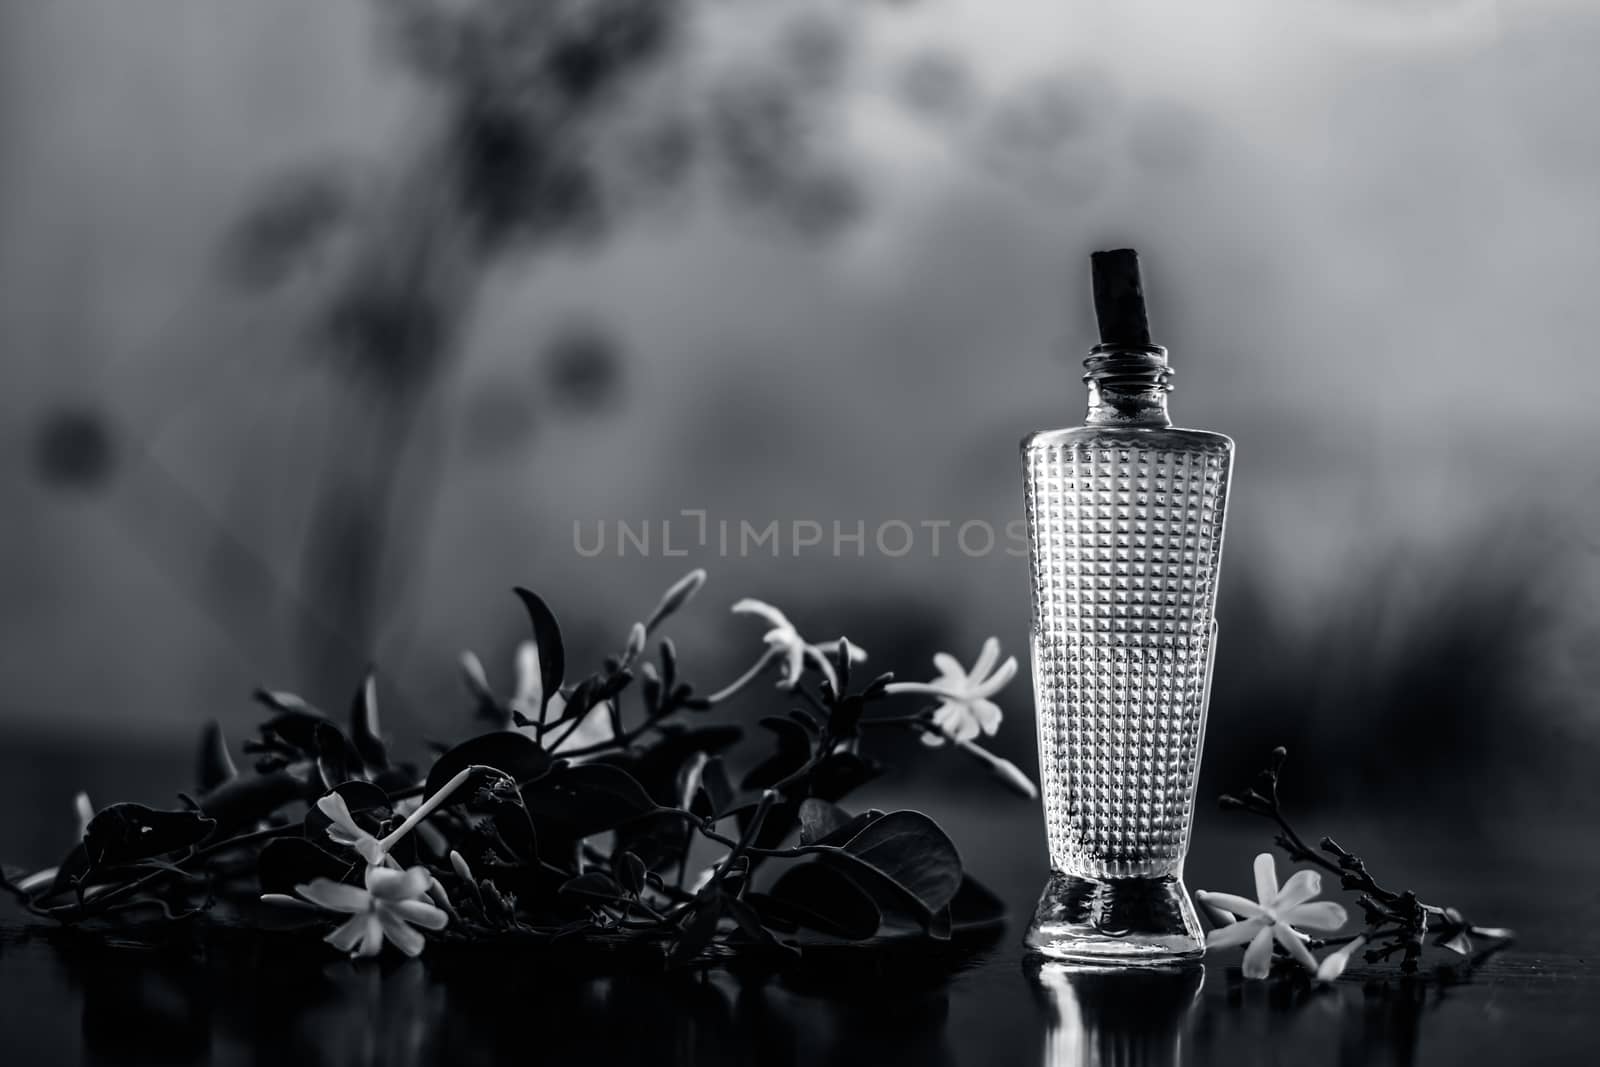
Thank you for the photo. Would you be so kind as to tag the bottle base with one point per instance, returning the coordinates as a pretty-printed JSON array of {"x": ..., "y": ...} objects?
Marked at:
[{"x": 1115, "y": 921}]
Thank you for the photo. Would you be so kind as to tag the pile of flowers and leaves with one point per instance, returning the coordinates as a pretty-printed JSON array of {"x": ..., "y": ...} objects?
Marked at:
[
  {"x": 573, "y": 814},
  {"x": 1272, "y": 927}
]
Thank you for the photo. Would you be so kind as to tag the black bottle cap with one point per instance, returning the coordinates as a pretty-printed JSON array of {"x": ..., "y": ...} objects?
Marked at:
[{"x": 1119, "y": 298}]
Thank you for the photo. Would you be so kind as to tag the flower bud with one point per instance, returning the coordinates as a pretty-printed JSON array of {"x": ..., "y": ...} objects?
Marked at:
[
  {"x": 682, "y": 591},
  {"x": 636, "y": 639},
  {"x": 1012, "y": 775}
]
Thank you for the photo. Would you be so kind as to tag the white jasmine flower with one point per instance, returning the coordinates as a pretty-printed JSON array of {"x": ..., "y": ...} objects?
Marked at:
[
  {"x": 965, "y": 709},
  {"x": 391, "y": 906},
  {"x": 784, "y": 642},
  {"x": 344, "y": 830},
  {"x": 1334, "y": 963},
  {"x": 1273, "y": 915}
]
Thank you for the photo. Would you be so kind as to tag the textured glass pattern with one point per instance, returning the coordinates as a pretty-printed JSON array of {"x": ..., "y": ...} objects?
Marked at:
[{"x": 1125, "y": 534}]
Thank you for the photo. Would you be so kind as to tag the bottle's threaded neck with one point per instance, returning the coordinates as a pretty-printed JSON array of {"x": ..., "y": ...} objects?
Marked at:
[{"x": 1128, "y": 385}]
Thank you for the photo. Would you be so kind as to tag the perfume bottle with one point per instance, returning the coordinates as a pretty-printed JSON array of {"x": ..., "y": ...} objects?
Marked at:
[{"x": 1125, "y": 519}]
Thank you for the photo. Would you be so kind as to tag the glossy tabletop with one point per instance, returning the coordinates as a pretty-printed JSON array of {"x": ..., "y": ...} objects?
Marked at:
[{"x": 235, "y": 999}]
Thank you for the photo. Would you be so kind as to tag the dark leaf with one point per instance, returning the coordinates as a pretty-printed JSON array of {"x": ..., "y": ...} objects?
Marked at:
[
  {"x": 547, "y": 635},
  {"x": 631, "y": 872},
  {"x": 123, "y": 833},
  {"x": 290, "y": 861},
  {"x": 841, "y": 834},
  {"x": 588, "y": 799},
  {"x": 659, "y": 840},
  {"x": 715, "y": 786},
  {"x": 511, "y": 753},
  {"x": 614, "y": 712},
  {"x": 595, "y": 885},
  {"x": 687, "y": 792},
  {"x": 791, "y": 735},
  {"x": 939, "y": 925},
  {"x": 213, "y": 764},
  {"x": 293, "y": 729},
  {"x": 841, "y": 773},
  {"x": 819, "y": 819},
  {"x": 241, "y": 801},
  {"x": 906, "y": 852},
  {"x": 776, "y": 915},
  {"x": 581, "y": 699},
  {"x": 794, "y": 749},
  {"x": 738, "y": 874},
  {"x": 782, "y": 817},
  {"x": 805, "y": 719},
  {"x": 362, "y": 798},
  {"x": 824, "y": 898},
  {"x": 749, "y": 920},
  {"x": 337, "y": 760},
  {"x": 975, "y": 906},
  {"x": 656, "y": 766},
  {"x": 612, "y": 684},
  {"x": 287, "y": 703},
  {"x": 698, "y": 931},
  {"x": 877, "y": 686},
  {"x": 669, "y": 665},
  {"x": 399, "y": 776},
  {"x": 650, "y": 692},
  {"x": 364, "y": 729},
  {"x": 846, "y": 715},
  {"x": 72, "y": 869}
]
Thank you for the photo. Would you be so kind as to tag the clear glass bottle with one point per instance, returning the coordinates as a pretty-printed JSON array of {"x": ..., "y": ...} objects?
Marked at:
[{"x": 1125, "y": 522}]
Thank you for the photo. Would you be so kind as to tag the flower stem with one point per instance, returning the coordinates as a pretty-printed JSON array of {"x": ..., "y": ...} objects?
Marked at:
[
  {"x": 744, "y": 679},
  {"x": 744, "y": 844},
  {"x": 426, "y": 808},
  {"x": 75, "y": 912}
]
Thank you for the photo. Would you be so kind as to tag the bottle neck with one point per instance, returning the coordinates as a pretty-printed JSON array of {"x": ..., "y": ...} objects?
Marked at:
[{"x": 1128, "y": 385}]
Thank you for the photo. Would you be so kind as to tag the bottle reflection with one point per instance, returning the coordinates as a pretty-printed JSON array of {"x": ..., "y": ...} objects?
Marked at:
[{"x": 1132, "y": 1016}]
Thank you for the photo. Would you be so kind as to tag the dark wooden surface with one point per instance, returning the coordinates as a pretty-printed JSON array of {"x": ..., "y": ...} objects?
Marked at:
[{"x": 237, "y": 1001}]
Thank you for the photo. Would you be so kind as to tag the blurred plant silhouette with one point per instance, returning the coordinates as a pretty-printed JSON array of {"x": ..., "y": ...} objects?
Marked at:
[
  {"x": 1429, "y": 666},
  {"x": 74, "y": 447},
  {"x": 547, "y": 123},
  {"x": 542, "y": 126}
]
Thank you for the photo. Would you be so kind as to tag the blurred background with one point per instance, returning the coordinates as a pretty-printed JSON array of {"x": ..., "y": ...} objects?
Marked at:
[{"x": 325, "y": 322}]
